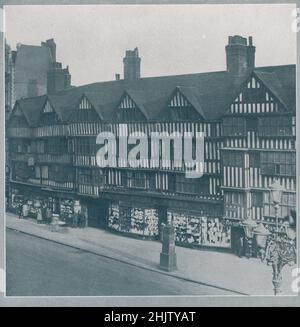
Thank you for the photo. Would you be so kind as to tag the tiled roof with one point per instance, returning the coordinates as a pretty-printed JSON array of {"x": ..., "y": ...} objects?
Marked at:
[{"x": 210, "y": 93}]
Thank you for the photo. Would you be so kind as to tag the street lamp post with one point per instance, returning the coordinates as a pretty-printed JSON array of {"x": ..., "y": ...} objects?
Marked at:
[{"x": 281, "y": 248}]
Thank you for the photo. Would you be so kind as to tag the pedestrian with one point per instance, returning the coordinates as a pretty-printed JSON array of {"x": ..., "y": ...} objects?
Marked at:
[
  {"x": 241, "y": 246},
  {"x": 48, "y": 215},
  {"x": 20, "y": 210},
  {"x": 39, "y": 216},
  {"x": 24, "y": 210},
  {"x": 75, "y": 220}
]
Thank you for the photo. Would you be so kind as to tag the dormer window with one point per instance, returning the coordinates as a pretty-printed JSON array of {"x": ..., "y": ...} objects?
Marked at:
[
  {"x": 181, "y": 108},
  {"x": 49, "y": 116},
  {"x": 129, "y": 111},
  {"x": 84, "y": 111}
]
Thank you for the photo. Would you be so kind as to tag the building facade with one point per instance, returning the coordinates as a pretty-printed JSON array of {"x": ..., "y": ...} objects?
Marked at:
[{"x": 246, "y": 113}]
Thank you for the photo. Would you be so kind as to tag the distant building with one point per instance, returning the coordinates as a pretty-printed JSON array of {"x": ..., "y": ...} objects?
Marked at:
[
  {"x": 32, "y": 71},
  {"x": 246, "y": 112}
]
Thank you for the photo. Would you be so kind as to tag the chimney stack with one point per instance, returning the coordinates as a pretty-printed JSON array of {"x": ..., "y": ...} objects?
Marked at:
[
  {"x": 240, "y": 55},
  {"x": 58, "y": 78},
  {"x": 132, "y": 65},
  {"x": 52, "y": 47}
]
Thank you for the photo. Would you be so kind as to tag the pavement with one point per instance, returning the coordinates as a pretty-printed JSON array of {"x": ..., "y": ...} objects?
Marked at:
[
  {"x": 38, "y": 267},
  {"x": 224, "y": 271}
]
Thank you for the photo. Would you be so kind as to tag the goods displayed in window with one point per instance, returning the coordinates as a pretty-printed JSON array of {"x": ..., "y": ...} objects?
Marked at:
[
  {"x": 134, "y": 220},
  {"x": 196, "y": 230}
]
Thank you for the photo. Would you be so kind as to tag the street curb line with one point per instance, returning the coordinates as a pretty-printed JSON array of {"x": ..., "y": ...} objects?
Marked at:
[{"x": 131, "y": 264}]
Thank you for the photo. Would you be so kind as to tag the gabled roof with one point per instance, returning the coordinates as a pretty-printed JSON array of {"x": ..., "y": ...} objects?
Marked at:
[
  {"x": 31, "y": 108},
  {"x": 193, "y": 96},
  {"x": 271, "y": 80},
  {"x": 210, "y": 93}
]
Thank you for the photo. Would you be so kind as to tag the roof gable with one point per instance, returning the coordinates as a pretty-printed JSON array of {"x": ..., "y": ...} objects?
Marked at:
[
  {"x": 186, "y": 97},
  {"x": 210, "y": 93},
  {"x": 85, "y": 103},
  {"x": 255, "y": 97},
  {"x": 47, "y": 107},
  {"x": 132, "y": 99}
]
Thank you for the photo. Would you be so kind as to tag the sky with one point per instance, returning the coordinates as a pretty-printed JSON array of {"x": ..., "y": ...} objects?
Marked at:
[{"x": 172, "y": 39}]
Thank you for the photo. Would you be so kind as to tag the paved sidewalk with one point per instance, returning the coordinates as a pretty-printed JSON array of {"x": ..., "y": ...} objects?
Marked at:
[{"x": 222, "y": 270}]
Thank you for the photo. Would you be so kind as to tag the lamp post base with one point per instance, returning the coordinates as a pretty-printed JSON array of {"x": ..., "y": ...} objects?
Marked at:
[{"x": 168, "y": 262}]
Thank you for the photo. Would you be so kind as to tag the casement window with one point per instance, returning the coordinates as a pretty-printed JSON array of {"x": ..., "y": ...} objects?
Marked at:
[
  {"x": 254, "y": 95},
  {"x": 138, "y": 180},
  {"x": 251, "y": 124},
  {"x": 180, "y": 184},
  {"x": 18, "y": 121},
  {"x": 37, "y": 172},
  {"x": 44, "y": 172},
  {"x": 275, "y": 126},
  {"x": 278, "y": 163},
  {"x": 257, "y": 199},
  {"x": 21, "y": 171},
  {"x": 254, "y": 159},
  {"x": 288, "y": 203},
  {"x": 234, "y": 126},
  {"x": 233, "y": 158},
  {"x": 40, "y": 146},
  {"x": 20, "y": 146},
  {"x": 91, "y": 176},
  {"x": 234, "y": 198},
  {"x": 86, "y": 146},
  {"x": 60, "y": 174},
  {"x": 57, "y": 146}
]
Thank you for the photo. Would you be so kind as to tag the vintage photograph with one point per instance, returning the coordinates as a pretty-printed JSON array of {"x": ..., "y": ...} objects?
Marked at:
[{"x": 150, "y": 150}]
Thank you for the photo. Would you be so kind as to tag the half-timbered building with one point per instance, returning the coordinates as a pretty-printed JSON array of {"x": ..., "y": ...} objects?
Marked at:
[{"x": 246, "y": 113}]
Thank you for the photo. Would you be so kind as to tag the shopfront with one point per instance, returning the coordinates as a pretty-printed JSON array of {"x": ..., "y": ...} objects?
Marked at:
[
  {"x": 196, "y": 229},
  {"x": 32, "y": 199},
  {"x": 133, "y": 219}
]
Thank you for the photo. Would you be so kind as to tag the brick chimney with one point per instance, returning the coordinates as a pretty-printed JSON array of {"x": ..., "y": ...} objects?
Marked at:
[
  {"x": 58, "y": 78},
  {"x": 240, "y": 55},
  {"x": 132, "y": 65}
]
